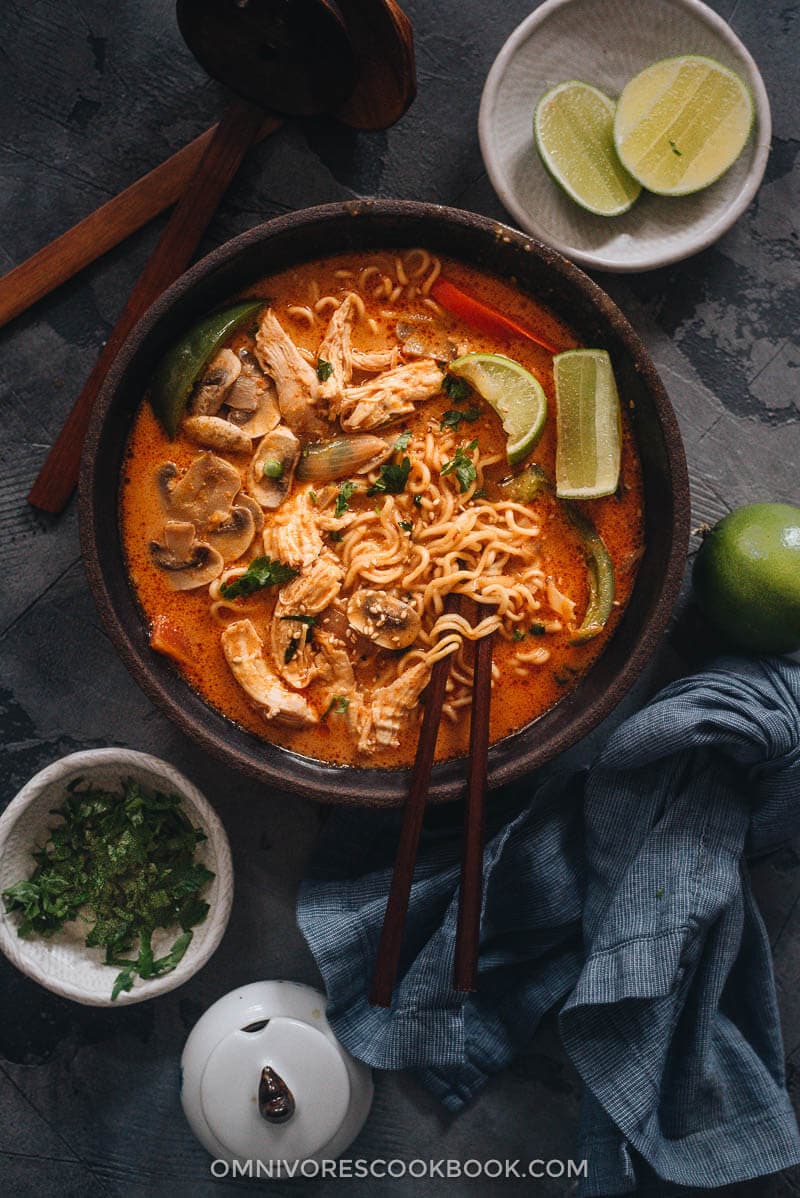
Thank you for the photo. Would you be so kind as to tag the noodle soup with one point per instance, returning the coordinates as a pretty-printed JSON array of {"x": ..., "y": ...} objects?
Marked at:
[{"x": 293, "y": 546}]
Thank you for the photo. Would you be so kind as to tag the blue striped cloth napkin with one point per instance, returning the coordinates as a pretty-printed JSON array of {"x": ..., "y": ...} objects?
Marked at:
[{"x": 620, "y": 897}]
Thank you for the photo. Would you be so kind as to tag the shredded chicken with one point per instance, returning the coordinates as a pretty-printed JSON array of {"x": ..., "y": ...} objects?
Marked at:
[
  {"x": 295, "y": 380},
  {"x": 336, "y": 350},
  {"x": 291, "y": 640},
  {"x": 390, "y": 395},
  {"x": 292, "y": 535},
  {"x": 383, "y": 715},
  {"x": 244, "y": 653}
]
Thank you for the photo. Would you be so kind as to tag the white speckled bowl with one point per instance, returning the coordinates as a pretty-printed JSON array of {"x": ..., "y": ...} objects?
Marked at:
[
  {"x": 605, "y": 42},
  {"x": 62, "y": 963}
]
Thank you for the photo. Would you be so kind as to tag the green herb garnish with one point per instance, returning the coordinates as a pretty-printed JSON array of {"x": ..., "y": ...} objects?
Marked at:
[
  {"x": 309, "y": 621},
  {"x": 291, "y": 650},
  {"x": 406, "y": 525},
  {"x": 402, "y": 442},
  {"x": 123, "y": 863},
  {"x": 392, "y": 479},
  {"x": 518, "y": 635},
  {"x": 262, "y": 572},
  {"x": 462, "y": 466},
  {"x": 338, "y": 705},
  {"x": 454, "y": 416},
  {"x": 537, "y": 630},
  {"x": 455, "y": 387},
  {"x": 675, "y": 149},
  {"x": 417, "y": 501},
  {"x": 324, "y": 370},
  {"x": 313, "y": 497},
  {"x": 335, "y": 535},
  {"x": 343, "y": 499}
]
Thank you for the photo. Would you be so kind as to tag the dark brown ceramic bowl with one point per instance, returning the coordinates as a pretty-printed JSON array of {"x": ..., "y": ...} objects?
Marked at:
[{"x": 367, "y": 225}]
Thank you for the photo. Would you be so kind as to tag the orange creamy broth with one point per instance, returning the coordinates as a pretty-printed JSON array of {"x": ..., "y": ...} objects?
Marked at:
[{"x": 618, "y": 519}]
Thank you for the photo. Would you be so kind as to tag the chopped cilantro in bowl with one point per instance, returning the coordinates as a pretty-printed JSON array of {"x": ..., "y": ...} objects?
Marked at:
[{"x": 115, "y": 876}]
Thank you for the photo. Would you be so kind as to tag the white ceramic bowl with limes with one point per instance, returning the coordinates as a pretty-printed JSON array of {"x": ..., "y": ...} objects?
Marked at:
[
  {"x": 62, "y": 962},
  {"x": 605, "y": 43}
]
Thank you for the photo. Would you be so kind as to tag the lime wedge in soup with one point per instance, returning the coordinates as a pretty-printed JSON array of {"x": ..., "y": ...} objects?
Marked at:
[
  {"x": 182, "y": 364},
  {"x": 573, "y": 127},
  {"x": 681, "y": 123},
  {"x": 514, "y": 393},
  {"x": 589, "y": 444}
]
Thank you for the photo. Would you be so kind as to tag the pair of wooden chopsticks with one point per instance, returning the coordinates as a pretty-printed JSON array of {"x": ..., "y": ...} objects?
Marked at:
[{"x": 471, "y": 889}]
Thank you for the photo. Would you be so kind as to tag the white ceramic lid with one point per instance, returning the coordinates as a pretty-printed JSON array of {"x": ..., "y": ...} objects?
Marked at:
[{"x": 323, "y": 1094}]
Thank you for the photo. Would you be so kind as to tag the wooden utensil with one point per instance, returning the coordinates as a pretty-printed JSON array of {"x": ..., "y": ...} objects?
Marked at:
[
  {"x": 290, "y": 75},
  {"x": 106, "y": 227},
  {"x": 391, "y": 940},
  {"x": 470, "y": 895}
]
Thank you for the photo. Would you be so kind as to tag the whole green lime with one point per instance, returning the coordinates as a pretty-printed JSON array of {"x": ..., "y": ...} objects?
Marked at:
[{"x": 747, "y": 577}]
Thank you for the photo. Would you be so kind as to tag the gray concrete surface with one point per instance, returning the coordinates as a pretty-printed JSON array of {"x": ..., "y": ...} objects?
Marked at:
[{"x": 92, "y": 94}]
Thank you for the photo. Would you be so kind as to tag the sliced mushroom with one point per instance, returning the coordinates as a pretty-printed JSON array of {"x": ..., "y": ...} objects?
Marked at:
[
  {"x": 205, "y": 491},
  {"x": 188, "y": 563},
  {"x": 234, "y": 535},
  {"x": 252, "y": 402},
  {"x": 271, "y": 472},
  {"x": 216, "y": 433},
  {"x": 220, "y": 375},
  {"x": 327, "y": 461},
  {"x": 243, "y": 500},
  {"x": 384, "y": 618}
]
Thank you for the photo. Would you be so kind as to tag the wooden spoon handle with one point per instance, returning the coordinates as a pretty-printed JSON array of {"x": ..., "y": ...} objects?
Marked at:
[
  {"x": 232, "y": 138},
  {"x": 106, "y": 227}
]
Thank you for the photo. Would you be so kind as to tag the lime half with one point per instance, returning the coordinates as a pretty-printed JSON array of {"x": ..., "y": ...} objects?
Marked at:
[
  {"x": 513, "y": 392},
  {"x": 681, "y": 122},
  {"x": 574, "y": 130},
  {"x": 589, "y": 430}
]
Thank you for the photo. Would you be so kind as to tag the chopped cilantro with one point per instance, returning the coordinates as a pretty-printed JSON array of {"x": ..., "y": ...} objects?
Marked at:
[
  {"x": 324, "y": 370},
  {"x": 392, "y": 479},
  {"x": 262, "y": 572},
  {"x": 454, "y": 416},
  {"x": 406, "y": 525},
  {"x": 343, "y": 499},
  {"x": 338, "y": 705},
  {"x": 455, "y": 387},
  {"x": 123, "y": 864},
  {"x": 537, "y": 630},
  {"x": 462, "y": 466},
  {"x": 518, "y": 635},
  {"x": 402, "y": 442}
]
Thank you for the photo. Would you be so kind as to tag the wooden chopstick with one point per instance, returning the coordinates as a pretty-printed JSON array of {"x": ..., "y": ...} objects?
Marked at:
[
  {"x": 391, "y": 941},
  {"x": 234, "y": 135},
  {"x": 465, "y": 969},
  {"x": 106, "y": 227}
]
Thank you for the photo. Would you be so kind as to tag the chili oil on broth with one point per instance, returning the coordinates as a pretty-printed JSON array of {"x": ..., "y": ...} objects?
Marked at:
[{"x": 528, "y": 690}]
